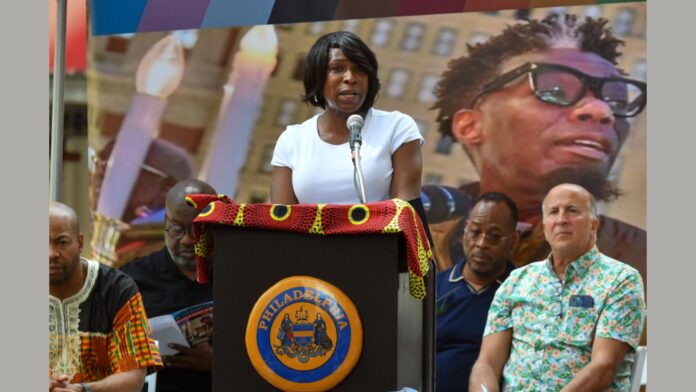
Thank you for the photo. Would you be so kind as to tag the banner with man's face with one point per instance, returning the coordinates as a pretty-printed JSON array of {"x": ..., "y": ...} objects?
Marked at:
[{"x": 211, "y": 103}]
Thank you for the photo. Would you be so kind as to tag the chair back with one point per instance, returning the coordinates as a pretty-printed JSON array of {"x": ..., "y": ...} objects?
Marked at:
[
  {"x": 151, "y": 379},
  {"x": 638, "y": 370}
]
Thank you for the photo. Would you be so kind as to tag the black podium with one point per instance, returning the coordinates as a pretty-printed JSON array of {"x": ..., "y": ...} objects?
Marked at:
[{"x": 398, "y": 330}]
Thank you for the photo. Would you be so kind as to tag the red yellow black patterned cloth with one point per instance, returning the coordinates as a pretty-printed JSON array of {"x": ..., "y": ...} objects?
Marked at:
[
  {"x": 390, "y": 216},
  {"x": 101, "y": 330}
]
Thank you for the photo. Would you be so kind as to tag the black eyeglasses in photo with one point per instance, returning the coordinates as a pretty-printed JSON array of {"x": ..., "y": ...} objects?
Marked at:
[
  {"x": 177, "y": 231},
  {"x": 560, "y": 85}
]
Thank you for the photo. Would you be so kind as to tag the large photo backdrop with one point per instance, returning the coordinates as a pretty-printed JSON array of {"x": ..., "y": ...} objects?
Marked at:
[{"x": 211, "y": 103}]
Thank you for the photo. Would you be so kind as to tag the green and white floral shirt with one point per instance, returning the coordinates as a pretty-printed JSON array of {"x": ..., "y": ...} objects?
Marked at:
[{"x": 554, "y": 323}]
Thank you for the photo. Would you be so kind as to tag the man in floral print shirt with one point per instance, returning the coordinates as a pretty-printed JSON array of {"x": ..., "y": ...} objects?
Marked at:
[{"x": 570, "y": 322}]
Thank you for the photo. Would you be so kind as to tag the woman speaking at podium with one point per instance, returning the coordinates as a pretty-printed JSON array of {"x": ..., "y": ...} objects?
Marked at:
[{"x": 312, "y": 161}]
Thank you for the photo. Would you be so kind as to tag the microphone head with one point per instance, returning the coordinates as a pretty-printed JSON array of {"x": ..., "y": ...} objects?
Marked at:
[{"x": 355, "y": 120}]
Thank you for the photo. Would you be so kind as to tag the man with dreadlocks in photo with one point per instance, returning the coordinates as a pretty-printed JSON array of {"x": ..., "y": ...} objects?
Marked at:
[{"x": 541, "y": 104}]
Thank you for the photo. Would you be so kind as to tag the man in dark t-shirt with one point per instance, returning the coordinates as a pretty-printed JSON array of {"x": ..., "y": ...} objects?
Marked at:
[
  {"x": 465, "y": 291},
  {"x": 167, "y": 281}
]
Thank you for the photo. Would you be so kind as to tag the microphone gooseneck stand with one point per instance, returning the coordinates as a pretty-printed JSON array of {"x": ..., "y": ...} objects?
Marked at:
[
  {"x": 354, "y": 124},
  {"x": 359, "y": 181}
]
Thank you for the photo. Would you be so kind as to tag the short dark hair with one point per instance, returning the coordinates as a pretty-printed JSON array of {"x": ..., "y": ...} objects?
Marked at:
[
  {"x": 317, "y": 61},
  {"x": 466, "y": 75},
  {"x": 498, "y": 197}
]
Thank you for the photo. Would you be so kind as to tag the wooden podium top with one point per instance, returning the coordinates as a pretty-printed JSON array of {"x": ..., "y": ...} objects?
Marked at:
[{"x": 388, "y": 217}]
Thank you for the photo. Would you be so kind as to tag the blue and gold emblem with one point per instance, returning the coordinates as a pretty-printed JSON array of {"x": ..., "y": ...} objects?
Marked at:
[{"x": 304, "y": 334}]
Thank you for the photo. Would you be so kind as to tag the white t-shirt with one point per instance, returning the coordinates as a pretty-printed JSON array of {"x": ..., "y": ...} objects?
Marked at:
[{"x": 323, "y": 172}]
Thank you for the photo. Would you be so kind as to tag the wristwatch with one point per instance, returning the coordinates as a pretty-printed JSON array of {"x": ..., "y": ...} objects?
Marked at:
[{"x": 85, "y": 388}]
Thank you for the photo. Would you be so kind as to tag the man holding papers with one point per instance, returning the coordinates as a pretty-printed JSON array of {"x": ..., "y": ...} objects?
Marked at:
[{"x": 167, "y": 281}]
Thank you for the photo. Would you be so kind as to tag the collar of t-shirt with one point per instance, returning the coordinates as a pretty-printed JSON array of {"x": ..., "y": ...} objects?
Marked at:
[{"x": 456, "y": 275}]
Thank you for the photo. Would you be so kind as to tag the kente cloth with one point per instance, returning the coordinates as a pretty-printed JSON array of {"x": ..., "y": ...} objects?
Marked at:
[
  {"x": 389, "y": 216},
  {"x": 166, "y": 290},
  {"x": 101, "y": 330}
]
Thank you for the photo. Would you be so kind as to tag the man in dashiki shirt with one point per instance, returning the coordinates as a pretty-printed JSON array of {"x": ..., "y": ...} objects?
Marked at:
[
  {"x": 99, "y": 338},
  {"x": 568, "y": 322}
]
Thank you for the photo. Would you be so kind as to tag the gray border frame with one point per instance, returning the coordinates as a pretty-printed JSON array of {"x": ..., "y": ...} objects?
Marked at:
[
  {"x": 671, "y": 141},
  {"x": 24, "y": 155},
  {"x": 25, "y": 162}
]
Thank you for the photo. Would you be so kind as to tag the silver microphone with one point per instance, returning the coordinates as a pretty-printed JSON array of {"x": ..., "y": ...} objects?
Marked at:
[{"x": 355, "y": 123}]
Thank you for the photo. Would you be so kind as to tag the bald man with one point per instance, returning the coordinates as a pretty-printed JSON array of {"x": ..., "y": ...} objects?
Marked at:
[
  {"x": 92, "y": 308},
  {"x": 571, "y": 322},
  {"x": 167, "y": 279}
]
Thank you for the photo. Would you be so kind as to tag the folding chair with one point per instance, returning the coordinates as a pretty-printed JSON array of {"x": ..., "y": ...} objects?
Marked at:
[
  {"x": 151, "y": 380},
  {"x": 638, "y": 370}
]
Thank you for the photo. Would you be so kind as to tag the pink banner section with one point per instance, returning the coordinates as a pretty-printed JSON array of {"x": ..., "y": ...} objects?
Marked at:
[
  {"x": 418, "y": 7},
  {"x": 488, "y": 5},
  {"x": 75, "y": 36},
  {"x": 172, "y": 15}
]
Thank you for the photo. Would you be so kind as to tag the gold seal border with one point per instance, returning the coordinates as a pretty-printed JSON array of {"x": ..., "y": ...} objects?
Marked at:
[{"x": 354, "y": 350}]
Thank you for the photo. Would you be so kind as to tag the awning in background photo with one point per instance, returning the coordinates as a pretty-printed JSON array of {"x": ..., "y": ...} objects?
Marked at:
[{"x": 75, "y": 36}]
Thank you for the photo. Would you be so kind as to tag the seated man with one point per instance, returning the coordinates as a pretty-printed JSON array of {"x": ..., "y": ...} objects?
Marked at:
[
  {"x": 167, "y": 279},
  {"x": 465, "y": 291},
  {"x": 99, "y": 338},
  {"x": 570, "y": 322}
]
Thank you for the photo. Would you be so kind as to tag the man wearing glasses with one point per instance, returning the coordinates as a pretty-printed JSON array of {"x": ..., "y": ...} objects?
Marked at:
[
  {"x": 541, "y": 104},
  {"x": 167, "y": 281},
  {"x": 570, "y": 322},
  {"x": 465, "y": 291}
]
